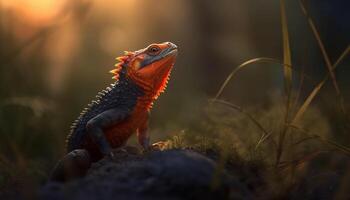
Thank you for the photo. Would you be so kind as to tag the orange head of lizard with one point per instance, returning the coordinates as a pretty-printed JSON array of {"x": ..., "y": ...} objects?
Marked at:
[{"x": 150, "y": 67}]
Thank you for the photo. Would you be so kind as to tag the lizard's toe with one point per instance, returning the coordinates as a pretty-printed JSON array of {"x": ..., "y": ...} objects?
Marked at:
[{"x": 116, "y": 154}]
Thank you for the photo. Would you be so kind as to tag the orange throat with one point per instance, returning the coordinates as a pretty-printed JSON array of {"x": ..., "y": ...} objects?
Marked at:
[
  {"x": 156, "y": 87},
  {"x": 153, "y": 79}
]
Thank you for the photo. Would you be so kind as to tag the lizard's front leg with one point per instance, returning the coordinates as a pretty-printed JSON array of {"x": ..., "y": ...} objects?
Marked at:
[
  {"x": 144, "y": 138},
  {"x": 142, "y": 133},
  {"x": 104, "y": 120}
]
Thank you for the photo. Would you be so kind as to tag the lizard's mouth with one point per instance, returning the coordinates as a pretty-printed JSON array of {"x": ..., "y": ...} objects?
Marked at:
[{"x": 172, "y": 51}]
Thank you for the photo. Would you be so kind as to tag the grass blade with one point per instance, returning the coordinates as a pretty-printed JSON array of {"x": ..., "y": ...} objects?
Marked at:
[
  {"x": 253, "y": 61},
  {"x": 308, "y": 100},
  {"x": 233, "y": 73},
  {"x": 286, "y": 50},
  {"x": 339, "y": 147},
  {"x": 287, "y": 78},
  {"x": 247, "y": 63},
  {"x": 341, "y": 57}
]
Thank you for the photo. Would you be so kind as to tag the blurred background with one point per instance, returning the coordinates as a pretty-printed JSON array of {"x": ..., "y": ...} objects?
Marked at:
[{"x": 55, "y": 56}]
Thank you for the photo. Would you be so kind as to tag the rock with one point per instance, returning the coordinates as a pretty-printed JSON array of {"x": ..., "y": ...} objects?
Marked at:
[{"x": 170, "y": 174}]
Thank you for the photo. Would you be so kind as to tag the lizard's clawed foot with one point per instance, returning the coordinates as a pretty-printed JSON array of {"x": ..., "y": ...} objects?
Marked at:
[{"x": 161, "y": 145}]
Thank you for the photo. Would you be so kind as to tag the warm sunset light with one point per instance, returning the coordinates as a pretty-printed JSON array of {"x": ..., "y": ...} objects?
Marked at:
[
  {"x": 37, "y": 11},
  {"x": 254, "y": 99}
]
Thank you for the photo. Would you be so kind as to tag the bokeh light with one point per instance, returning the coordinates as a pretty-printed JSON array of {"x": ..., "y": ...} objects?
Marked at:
[{"x": 36, "y": 11}]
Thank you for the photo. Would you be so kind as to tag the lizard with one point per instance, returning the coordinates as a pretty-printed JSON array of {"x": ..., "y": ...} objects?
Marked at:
[{"x": 123, "y": 108}]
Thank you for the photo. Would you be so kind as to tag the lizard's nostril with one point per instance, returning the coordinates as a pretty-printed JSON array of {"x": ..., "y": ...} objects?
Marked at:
[{"x": 172, "y": 45}]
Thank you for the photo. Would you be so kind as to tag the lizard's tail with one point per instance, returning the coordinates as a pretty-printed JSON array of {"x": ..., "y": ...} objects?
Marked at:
[{"x": 73, "y": 165}]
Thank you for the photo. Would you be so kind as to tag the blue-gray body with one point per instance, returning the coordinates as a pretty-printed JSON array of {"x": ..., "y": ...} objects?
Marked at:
[{"x": 121, "y": 94}]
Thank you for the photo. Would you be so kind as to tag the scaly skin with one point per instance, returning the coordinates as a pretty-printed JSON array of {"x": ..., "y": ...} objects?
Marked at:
[{"x": 123, "y": 108}]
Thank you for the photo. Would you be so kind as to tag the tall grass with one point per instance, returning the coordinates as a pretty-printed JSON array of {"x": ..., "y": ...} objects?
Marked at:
[
  {"x": 326, "y": 58},
  {"x": 289, "y": 119}
]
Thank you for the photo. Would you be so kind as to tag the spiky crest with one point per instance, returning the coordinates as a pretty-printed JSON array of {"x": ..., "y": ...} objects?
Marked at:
[{"x": 121, "y": 63}]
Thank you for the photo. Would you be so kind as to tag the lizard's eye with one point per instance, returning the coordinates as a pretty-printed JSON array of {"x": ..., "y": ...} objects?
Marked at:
[{"x": 153, "y": 50}]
